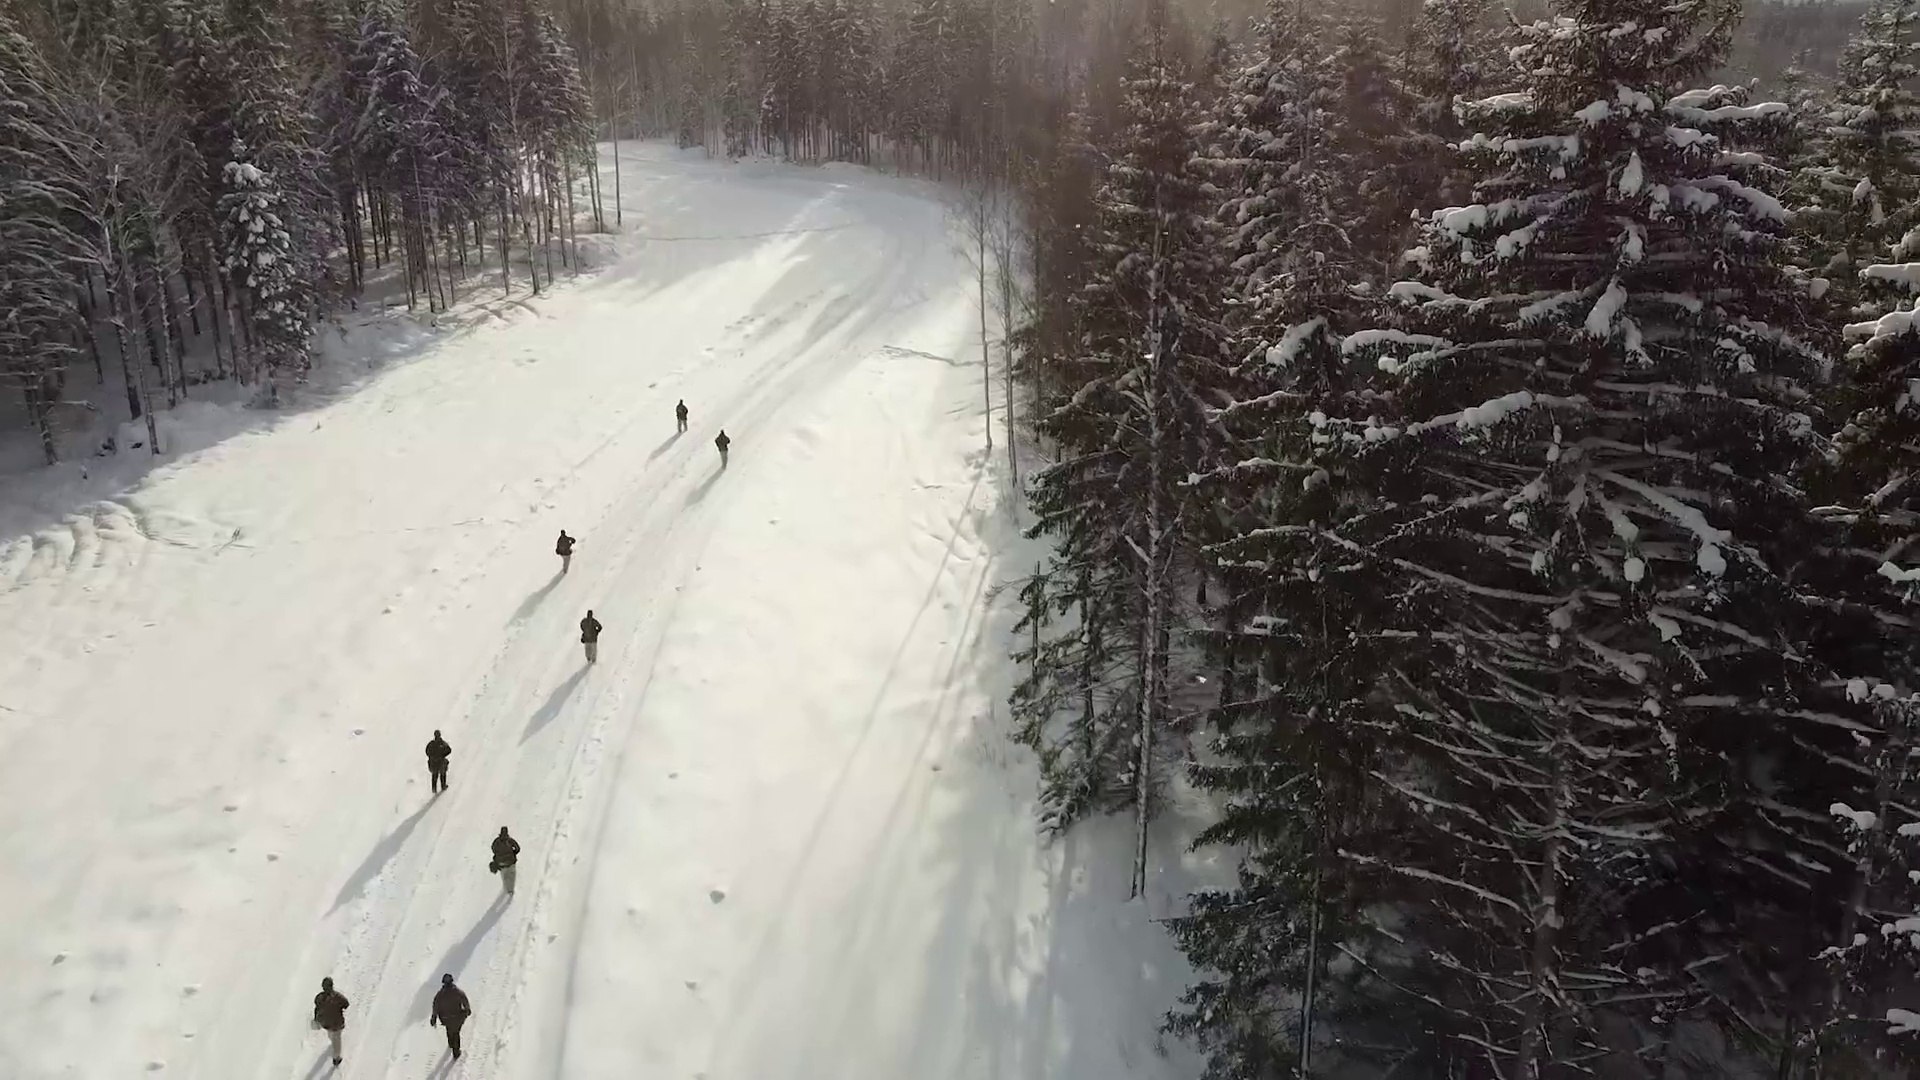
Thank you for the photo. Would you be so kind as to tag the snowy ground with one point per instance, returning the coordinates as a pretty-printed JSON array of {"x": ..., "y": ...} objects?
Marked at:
[{"x": 775, "y": 833}]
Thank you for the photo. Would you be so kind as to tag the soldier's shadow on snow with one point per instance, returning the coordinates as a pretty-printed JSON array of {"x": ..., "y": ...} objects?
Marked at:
[
  {"x": 550, "y": 709},
  {"x": 456, "y": 959},
  {"x": 532, "y": 602},
  {"x": 665, "y": 446},
  {"x": 377, "y": 859},
  {"x": 699, "y": 493},
  {"x": 320, "y": 1062}
]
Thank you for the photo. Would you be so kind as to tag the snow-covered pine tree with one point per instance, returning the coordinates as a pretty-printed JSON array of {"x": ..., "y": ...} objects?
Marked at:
[
  {"x": 1130, "y": 435},
  {"x": 1849, "y": 1011},
  {"x": 1450, "y": 63},
  {"x": 270, "y": 116},
  {"x": 1584, "y": 429},
  {"x": 38, "y": 251},
  {"x": 1861, "y": 176},
  {"x": 556, "y": 121},
  {"x": 398, "y": 137},
  {"x": 1302, "y": 632},
  {"x": 263, "y": 266}
]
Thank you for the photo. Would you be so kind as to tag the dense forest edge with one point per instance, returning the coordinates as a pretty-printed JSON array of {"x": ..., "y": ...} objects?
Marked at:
[{"x": 1476, "y": 443}]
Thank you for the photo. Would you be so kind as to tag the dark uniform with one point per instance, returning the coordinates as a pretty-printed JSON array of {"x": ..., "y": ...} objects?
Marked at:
[
  {"x": 506, "y": 854},
  {"x": 563, "y": 547},
  {"x": 330, "y": 1015},
  {"x": 590, "y": 637},
  {"x": 722, "y": 442},
  {"x": 437, "y": 754},
  {"x": 680, "y": 414},
  {"x": 450, "y": 1010}
]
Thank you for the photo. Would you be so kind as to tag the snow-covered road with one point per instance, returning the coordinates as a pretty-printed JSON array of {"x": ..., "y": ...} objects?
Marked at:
[{"x": 775, "y": 832}]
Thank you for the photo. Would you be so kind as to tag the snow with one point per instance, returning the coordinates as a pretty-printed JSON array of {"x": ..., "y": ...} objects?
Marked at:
[
  {"x": 1899, "y": 575},
  {"x": 1859, "y": 819},
  {"x": 1903, "y": 1022},
  {"x": 776, "y": 830},
  {"x": 1287, "y": 349},
  {"x": 1600, "y": 318},
  {"x": 1906, "y": 275},
  {"x": 1596, "y": 113},
  {"x": 1891, "y": 325},
  {"x": 1634, "y": 569},
  {"x": 1710, "y": 560},
  {"x": 1759, "y": 203},
  {"x": 1366, "y": 339},
  {"x": 1514, "y": 102},
  {"x": 1634, "y": 177},
  {"x": 1489, "y": 413}
]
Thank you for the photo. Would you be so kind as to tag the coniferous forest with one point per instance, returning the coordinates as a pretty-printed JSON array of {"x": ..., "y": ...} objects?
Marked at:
[{"x": 1476, "y": 444}]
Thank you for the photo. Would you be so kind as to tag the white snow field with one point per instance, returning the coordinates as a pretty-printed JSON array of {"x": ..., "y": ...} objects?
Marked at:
[{"x": 776, "y": 832}]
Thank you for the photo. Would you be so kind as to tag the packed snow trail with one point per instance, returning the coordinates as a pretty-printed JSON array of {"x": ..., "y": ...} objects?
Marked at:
[{"x": 774, "y": 832}]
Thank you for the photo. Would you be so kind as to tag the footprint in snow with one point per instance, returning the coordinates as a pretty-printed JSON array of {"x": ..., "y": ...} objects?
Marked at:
[{"x": 717, "y": 895}]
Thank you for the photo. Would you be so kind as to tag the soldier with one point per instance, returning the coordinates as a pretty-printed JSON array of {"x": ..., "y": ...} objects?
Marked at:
[
  {"x": 506, "y": 854},
  {"x": 590, "y": 636},
  {"x": 437, "y": 754},
  {"x": 450, "y": 1010},
  {"x": 330, "y": 1015}
]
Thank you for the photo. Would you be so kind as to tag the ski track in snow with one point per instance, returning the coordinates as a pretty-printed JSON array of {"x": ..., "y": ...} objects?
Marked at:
[{"x": 214, "y": 691}]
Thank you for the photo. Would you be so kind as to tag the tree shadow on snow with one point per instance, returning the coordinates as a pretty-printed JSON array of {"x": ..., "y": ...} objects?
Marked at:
[
  {"x": 377, "y": 859},
  {"x": 532, "y": 602},
  {"x": 1030, "y": 963},
  {"x": 456, "y": 959},
  {"x": 550, "y": 709}
]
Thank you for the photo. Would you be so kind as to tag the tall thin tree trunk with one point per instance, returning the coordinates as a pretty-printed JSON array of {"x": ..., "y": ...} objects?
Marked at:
[
  {"x": 217, "y": 306},
  {"x": 980, "y": 275},
  {"x": 40, "y": 408},
  {"x": 89, "y": 320},
  {"x": 1157, "y": 557},
  {"x": 571, "y": 227},
  {"x": 1313, "y": 972},
  {"x": 121, "y": 295},
  {"x": 1542, "y": 976},
  {"x": 193, "y": 297},
  {"x": 169, "y": 360},
  {"x": 506, "y": 249}
]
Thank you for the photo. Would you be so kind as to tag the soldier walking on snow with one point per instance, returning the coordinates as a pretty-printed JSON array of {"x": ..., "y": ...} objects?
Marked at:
[
  {"x": 330, "y": 1015},
  {"x": 506, "y": 853},
  {"x": 450, "y": 1009},
  {"x": 722, "y": 442},
  {"x": 680, "y": 414},
  {"x": 563, "y": 547},
  {"x": 437, "y": 754},
  {"x": 590, "y": 636}
]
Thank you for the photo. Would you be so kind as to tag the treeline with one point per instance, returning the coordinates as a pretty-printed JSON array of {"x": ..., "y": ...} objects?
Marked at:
[
  {"x": 189, "y": 177},
  {"x": 1516, "y": 436},
  {"x": 1478, "y": 461}
]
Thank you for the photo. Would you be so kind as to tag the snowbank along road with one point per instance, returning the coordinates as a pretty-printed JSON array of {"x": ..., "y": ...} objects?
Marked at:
[{"x": 774, "y": 832}]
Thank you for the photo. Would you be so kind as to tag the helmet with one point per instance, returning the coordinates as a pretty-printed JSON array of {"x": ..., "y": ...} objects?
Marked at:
[
  {"x": 326, "y": 984},
  {"x": 447, "y": 979}
]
